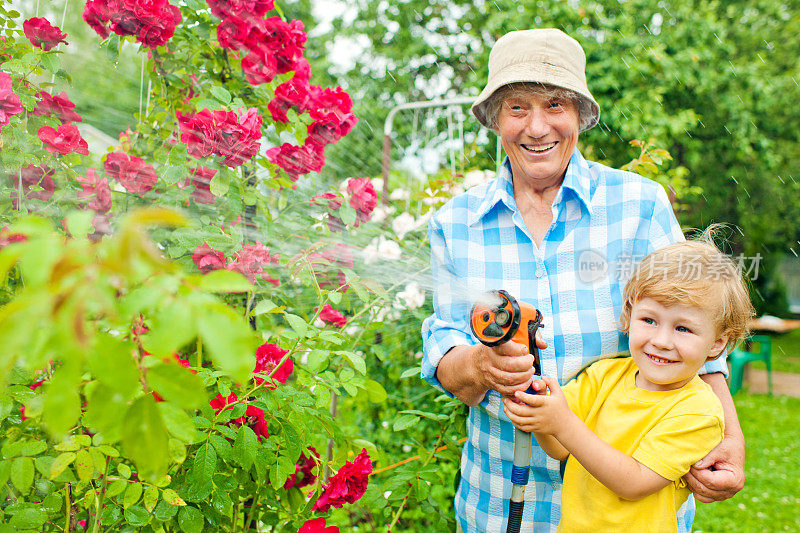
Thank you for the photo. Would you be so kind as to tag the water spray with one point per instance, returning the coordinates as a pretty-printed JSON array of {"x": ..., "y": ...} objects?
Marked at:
[{"x": 498, "y": 318}]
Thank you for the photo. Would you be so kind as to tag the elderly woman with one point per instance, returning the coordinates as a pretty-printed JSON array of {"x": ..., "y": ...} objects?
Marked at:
[{"x": 562, "y": 234}]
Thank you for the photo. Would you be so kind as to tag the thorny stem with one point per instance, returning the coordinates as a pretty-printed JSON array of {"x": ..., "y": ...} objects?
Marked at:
[
  {"x": 69, "y": 508},
  {"x": 100, "y": 500},
  {"x": 249, "y": 518},
  {"x": 334, "y": 412}
]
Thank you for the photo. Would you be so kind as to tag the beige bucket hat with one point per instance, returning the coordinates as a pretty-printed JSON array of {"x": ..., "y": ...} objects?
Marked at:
[{"x": 544, "y": 55}]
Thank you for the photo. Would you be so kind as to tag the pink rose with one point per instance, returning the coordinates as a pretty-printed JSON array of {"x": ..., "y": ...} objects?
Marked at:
[
  {"x": 363, "y": 198},
  {"x": 267, "y": 358},
  {"x": 131, "y": 172},
  {"x": 42, "y": 34},
  {"x": 10, "y": 103},
  {"x": 207, "y": 259},
  {"x": 65, "y": 140},
  {"x": 58, "y": 105},
  {"x": 348, "y": 485}
]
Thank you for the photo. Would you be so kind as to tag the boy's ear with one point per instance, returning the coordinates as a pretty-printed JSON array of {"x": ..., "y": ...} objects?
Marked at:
[{"x": 718, "y": 347}]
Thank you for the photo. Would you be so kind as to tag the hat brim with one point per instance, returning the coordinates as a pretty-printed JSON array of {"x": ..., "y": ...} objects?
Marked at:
[{"x": 543, "y": 73}]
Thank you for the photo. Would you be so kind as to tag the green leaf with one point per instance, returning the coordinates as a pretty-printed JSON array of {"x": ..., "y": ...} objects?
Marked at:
[
  {"x": 172, "y": 498},
  {"x": 190, "y": 519},
  {"x": 224, "y": 281},
  {"x": 413, "y": 371},
  {"x": 137, "y": 516},
  {"x": 62, "y": 404},
  {"x": 356, "y": 360},
  {"x": 284, "y": 467},
  {"x": 80, "y": 223},
  {"x": 404, "y": 422},
  {"x": 150, "y": 498},
  {"x": 177, "y": 451},
  {"x": 207, "y": 103},
  {"x": 335, "y": 297},
  {"x": 84, "y": 465},
  {"x": 112, "y": 48},
  {"x": 176, "y": 384},
  {"x": 219, "y": 184},
  {"x": 317, "y": 360},
  {"x": 124, "y": 470},
  {"x": 61, "y": 463},
  {"x": 245, "y": 447},
  {"x": 111, "y": 362},
  {"x": 298, "y": 324},
  {"x": 222, "y": 447},
  {"x": 229, "y": 340},
  {"x": 144, "y": 437},
  {"x": 375, "y": 391},
  {"x": 205, "y": 463},
  {"x": 116, "y": 487},
  {"x": 171, "y": 328},
  {"x": 172, "y": 174},
  {"x": 34, "y": 447},
  {"x": 132, "y": 494},
  {"x": 102, "y": 412},
  {"x": 178, "y": 423},
  {"x": 266, "y": 306},
  {"x": 22, "y": 474},
  {"x": 165, "y": 511},
  {"x": 221, "y": 94},
  {"x": 51, "y": 62},
  {"x": 28, "y": 518}
]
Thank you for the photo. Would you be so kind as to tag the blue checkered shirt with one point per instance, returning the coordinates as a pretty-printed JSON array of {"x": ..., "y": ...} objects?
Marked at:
[{"x": 604, "y": 222}]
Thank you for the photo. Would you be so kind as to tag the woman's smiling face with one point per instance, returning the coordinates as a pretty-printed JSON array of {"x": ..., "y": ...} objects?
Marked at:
[{"x": 539, "y": 135}]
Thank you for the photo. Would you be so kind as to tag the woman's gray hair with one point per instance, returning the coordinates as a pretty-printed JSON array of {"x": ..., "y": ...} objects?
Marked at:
[{"x": 547, "y": 92}]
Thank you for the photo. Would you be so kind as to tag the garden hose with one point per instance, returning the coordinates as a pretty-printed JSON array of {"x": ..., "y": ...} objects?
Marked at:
[{"x": 496, "y": 319}]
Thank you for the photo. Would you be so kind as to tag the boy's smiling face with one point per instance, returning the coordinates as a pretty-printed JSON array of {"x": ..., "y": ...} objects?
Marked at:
[{"x": 670, "y": 344}]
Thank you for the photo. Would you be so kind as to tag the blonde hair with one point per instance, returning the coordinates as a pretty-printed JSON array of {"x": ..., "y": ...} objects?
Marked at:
[
  {"x": 698, "y": 274},
  {"x": 542, "y": 90}
]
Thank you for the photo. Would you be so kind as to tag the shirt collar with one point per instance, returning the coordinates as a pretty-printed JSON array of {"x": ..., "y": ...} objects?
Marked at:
[{"x": 577, "y": 179}]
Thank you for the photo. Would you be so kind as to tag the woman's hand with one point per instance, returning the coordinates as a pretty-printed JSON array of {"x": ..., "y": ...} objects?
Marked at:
[
  {"x": 720, "y": 474},
  {"x": 468, "y": 372}
]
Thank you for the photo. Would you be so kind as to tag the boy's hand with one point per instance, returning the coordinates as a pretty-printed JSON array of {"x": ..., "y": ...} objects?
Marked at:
[{"x": 538, "y": 413}]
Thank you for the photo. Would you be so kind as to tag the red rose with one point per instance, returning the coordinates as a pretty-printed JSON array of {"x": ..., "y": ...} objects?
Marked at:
[
  {"x": 201, "y": 179},
  {"x": 334, "y": 200},
  {"x": 267, "y": 358},
  {"x": 197, "y": 132},
  {"x": 220, "y": 403},
  {"x": 330, "y": 102},
  {"x": 332, "y": 316},
  {"x": 233, "y": 31},
  {"x": 34, "y": 176},
  {"x": 292, "y": 93},
  {"x": 242, "y": 8},
  {"x": 65, "y": 140},
  {"x": 303, "y": 472},
  {"x": 207, "y": 259},
  {"x": 42, "y": 34},
  {"x": 297, "y": 160},
  {"x": 152, "y": 22},
  {"x": 98, "y": 189},
  {"x": 317, "y": 525},
  {"x": 284, "y": 39},
  {"x": 7, "y": 237},
  {"x": 259, "y": 67},
  {"x": 95, "y": 14},
  {"x": 58, "y": 105},
  {"x": 328, "y": 130},
  {"x": 328, "y": 264},
  {"x": 363, "y": 198},
  {"x": 251, "y": 260},
  {"x": 237, "y": 137},
  {"x": 10, "y": 103},
  {"x": 256, "y": 421},
  {"x": 347, "y": 485},
  {"x": 131, "y": 172}
]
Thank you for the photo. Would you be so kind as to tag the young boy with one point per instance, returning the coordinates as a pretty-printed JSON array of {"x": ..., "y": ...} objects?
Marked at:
[{"x": 630, "y": 428}]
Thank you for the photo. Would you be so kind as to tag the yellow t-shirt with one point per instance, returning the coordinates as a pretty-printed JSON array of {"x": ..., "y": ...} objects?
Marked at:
[{"x": 665, "y": 431}]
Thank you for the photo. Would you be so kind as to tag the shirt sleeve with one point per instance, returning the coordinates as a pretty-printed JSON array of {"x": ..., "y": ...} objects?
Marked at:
[
  {"x": 448, "y": 325},
  {"x": 581, "y": 391},
  {"x": 677, "y": 442}
]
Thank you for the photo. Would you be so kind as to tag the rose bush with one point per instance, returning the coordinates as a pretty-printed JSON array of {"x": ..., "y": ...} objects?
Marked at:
[{"x": 217, "y": 365}]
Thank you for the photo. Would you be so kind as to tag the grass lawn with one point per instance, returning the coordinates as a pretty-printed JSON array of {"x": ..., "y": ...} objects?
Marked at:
[
  {"x": 770, "y": 500},
  {"x": 785, "y": 353}
]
